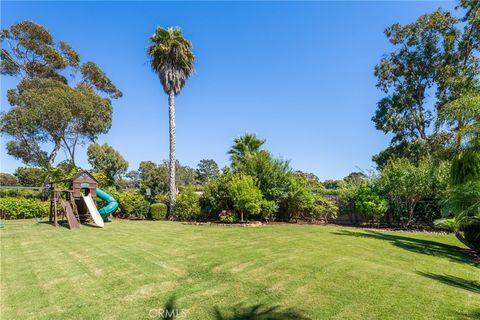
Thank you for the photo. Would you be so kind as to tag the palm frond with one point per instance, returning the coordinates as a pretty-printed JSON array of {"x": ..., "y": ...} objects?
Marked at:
[{"x": 171, "y": 57}]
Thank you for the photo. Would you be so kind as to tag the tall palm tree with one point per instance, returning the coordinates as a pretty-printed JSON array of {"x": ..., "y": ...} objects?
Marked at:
[
  {"x": 244, "y": 145},
  {"x": 172, "y": 59}
]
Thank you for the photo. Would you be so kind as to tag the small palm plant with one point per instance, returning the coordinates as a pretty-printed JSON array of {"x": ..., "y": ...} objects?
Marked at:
[
  {"x": 243, "y": 146},
  {"x": 462, "y": 205},
  {"x": 172, "y": 59}
]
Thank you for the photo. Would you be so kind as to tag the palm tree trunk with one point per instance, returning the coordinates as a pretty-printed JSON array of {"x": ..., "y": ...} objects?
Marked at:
[{"x": 171, "y": 117}]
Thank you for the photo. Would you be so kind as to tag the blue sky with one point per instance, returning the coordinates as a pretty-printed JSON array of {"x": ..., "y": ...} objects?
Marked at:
[{"x": 298, "y": 74}]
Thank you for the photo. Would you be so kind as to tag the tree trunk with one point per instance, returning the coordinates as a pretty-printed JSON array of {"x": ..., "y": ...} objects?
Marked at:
[
  {"x": 53, "y": 154},
  {"x": 173, "y": 190},
  {"x": 462, "y": 239}
]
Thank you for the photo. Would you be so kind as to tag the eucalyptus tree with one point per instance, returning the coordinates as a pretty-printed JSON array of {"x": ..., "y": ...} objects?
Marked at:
[
  {"x": 58, "y": 103},
  {"x": 437, "y": 53},
  {"x": 172, "y": 59}
]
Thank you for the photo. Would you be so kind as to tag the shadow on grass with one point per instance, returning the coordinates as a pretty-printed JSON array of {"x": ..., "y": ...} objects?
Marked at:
[
  {"x": 258, "y": 312},
  {"x": 475, "y": 314},
  {"x": 454, "y": 281},
  {"x": 171, "y": 311},
  {"x": 422, "y": 246}
]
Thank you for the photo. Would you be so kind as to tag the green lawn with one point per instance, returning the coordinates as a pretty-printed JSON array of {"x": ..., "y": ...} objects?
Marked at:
[{"x": 134, "y": 270}]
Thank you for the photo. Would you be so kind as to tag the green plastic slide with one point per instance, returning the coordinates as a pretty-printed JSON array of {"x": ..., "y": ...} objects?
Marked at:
[{"x": 111, "y": 206}]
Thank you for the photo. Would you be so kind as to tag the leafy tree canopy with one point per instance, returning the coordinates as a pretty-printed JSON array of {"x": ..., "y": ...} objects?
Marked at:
[
  {"x": 7, "y": 179},
  {"x": 271, "y": 175},
  {"x": 59, "y": 103},
  {"x": 207, "y": 169},
  {"x": 105, "y": 159},
  {"x": 438, "y": 53},
  {"x": 171, "y": 58},
  {"x": 155, "y": 176},
  {"x": 244, "y": 145},
  {"x": 30, "y": 176}
]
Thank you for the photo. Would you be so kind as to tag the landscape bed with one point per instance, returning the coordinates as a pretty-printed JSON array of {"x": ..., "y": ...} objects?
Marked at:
[{"x": 137, "y": 269}]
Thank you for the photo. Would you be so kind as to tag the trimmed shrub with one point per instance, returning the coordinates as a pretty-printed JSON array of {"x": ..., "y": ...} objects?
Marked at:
[
  {"x": 187, "y": 205},
  {"x": 132, "y": 204},
  {"x": 158, "y": 211},
  {"x": 18, "y": 208}
]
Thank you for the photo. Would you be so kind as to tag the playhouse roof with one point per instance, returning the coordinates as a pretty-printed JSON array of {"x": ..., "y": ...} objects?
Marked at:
[{"x": 81, "y": 172}]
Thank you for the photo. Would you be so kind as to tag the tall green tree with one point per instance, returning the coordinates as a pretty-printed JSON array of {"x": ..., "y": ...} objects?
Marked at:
[
  {"x": 207, "y": 169},
  {"x": 105, "y": 159},
  {"x": 59, "y": 102},
  {"x": 438, "y": 53},
  {"x": 172, "y": 59},
  {"x": 155, "y": 176},
  {"x": 406, "y": 75},
  {"x": 30, "y": 176},
  {"x": 244, "y": 145},
  {"x": 7, "y": 179}
]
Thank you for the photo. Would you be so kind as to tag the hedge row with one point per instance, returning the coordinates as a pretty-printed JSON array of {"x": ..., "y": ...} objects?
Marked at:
[
  {"x": 21, "y": 193},
  {"x": 22, "y": 208}
]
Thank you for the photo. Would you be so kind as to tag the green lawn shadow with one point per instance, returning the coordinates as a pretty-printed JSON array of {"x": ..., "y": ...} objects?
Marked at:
[
  {"x": 258, "y": 312},
  {"x": 238, "y": 312},
  {"x": 469, "y": 285},
  {"x": 421, "y": 246}
]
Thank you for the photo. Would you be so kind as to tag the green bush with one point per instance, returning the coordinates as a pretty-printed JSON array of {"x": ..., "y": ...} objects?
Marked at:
[
  {"x": 271, "y": 175},
  {"x": 301, "y": 200},
  {"x": 246, "y": 197},
  {"x": 132, "y": 204},
  {"x": 162, "y": 198},
  {"x": 269, "y": 208},
  {"x": 18, "y": 208},
  {"x": 20, "y": 193},
  {"x": 229, "y": 218},
  {"x": 216, "y": 197},
  {"x": 324, "y": 208},
  {"x": 371, "y": 204},
  {"x": 158, "y": 211},
  {"x": 465, "y": 167},
  {"x": 187, "y": 205}
]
